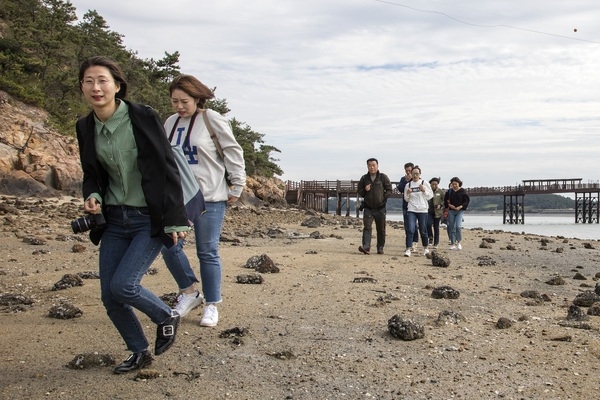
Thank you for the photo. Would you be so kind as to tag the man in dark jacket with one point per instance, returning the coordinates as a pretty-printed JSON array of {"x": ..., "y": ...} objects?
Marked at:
[{"x": 375, "y": 187}]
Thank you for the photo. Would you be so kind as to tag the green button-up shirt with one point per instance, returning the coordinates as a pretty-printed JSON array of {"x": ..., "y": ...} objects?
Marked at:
[{"x": 117, "y": 152}]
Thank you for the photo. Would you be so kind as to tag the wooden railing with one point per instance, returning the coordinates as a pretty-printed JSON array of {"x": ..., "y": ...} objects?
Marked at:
[
  {"x": 315, "y": 195},
  {"x": 351, "y": 186},
  {"x": 533, "y": 189}
]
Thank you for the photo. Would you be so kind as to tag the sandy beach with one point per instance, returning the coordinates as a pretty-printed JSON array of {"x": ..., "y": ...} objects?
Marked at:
[{"x": 317, "y": 329}]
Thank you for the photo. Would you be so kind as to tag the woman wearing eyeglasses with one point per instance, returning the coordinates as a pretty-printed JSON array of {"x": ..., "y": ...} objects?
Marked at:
[
  {"x": 417, "y": 193},
  {"x": 130, "y": 176}
]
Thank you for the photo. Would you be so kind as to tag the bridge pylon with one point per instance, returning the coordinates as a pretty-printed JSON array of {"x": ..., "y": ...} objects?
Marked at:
[
  {"x": 514, "y": 209},
  {"x": 587, "y": 207}
]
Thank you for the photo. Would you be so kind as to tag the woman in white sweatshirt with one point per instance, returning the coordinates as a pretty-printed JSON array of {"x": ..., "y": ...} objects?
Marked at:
[
  {"x": 188, "y": 128},
  {"x": 417, "y": 193}
]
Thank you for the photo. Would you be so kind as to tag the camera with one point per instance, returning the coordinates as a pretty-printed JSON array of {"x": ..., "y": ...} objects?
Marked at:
[{"x": 88, "y": 222}]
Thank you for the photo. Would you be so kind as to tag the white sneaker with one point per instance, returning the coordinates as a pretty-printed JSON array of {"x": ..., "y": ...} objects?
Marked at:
[
  {"x": 187, "y": 302},
  {"x": 425, "y": 252},
  {"x": 211, "y": 316},
  {"x": 453, "y": 247},
  {"x": 458, "y": 246},
  {"x": 407, "y": 253}
]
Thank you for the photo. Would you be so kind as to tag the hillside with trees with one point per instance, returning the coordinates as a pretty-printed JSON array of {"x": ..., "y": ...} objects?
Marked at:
[{"x": 42, "y": 44}]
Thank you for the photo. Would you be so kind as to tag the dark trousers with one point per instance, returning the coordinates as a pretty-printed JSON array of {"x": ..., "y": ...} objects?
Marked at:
[
  {"x": 433, "y": 229},
  {"x": 369, "y": 216}
]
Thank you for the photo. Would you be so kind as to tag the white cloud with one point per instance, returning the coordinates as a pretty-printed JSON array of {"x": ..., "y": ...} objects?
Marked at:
[{"x": 493, "y": 92}]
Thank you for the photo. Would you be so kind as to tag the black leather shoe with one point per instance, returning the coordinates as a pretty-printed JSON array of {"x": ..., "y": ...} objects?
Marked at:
[
  {"x": 133, "y": 362},
  {"x": 165, "y": 334}
]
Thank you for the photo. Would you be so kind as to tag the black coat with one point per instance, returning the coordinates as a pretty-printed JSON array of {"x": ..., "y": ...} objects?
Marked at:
[
  {"x": 160, "y": 177},
  {"x": 458, "y": 198},
  {"x": 381, "y": 190}
]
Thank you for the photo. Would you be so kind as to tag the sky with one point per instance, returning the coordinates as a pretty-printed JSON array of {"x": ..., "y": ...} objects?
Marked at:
[{"x": 493, "y": 92}]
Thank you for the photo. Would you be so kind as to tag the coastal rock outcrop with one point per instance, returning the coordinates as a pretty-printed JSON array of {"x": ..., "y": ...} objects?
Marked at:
[{"x": 36, "y": 159}]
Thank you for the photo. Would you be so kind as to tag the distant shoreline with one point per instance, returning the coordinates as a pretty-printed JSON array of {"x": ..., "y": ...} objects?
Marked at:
[{"x": 557, "y": 211}]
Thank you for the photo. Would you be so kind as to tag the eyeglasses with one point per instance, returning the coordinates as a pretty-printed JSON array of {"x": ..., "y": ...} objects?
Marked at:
[{"x": 89, "y": 82}]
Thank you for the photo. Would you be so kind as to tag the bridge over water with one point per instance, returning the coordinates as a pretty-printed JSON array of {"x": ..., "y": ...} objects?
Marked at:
[{"x": 315, "y": 195}]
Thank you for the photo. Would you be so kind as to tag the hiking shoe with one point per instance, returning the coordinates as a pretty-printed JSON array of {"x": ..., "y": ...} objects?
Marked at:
[
  {"x": 458, "y": 246},
  {"x": 425, "y": 252},
  {"x": 407, "y": 253},
  {"x": 211, "y": 316},
  {"x": 187, "y": 302},
  {"x": 380, "y": 250},
  {"x": 364, "y": 250}
]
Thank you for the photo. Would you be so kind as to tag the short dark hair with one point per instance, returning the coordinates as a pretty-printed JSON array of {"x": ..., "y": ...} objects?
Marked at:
[
  {"x": 434, "y": 180},
  {"x": 113, "y": 68},
  {"x": 409, "y": 164},
  {"x": 373, "y": 159},
  {"x": 457, "y": 180}
]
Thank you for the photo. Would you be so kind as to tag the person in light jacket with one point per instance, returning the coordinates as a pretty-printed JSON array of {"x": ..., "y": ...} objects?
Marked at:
[
  {"x": 407, "y": 177},
  {"x": 417, "y": 193},
  {"x": 188, "y": 128}
]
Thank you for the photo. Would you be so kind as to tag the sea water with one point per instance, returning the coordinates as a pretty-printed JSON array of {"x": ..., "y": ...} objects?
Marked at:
[{"x": 539, "y": 224}]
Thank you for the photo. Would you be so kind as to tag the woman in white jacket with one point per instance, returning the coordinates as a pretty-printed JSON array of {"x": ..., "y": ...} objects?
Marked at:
[
  {"x": 188, "y": 129},
  {"x": 417, "y": 193}
]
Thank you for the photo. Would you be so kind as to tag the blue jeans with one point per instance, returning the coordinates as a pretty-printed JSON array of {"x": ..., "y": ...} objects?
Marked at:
[
  {"x": 415, "y": 235},
  {"x": 179, "y": 265},
  {"x": 207, "y": 230},
  {"x": 126, "y": 253},
  {"x": 369, "y": 216},
  {"x": 455, "y": 219},
  {"x": 411, "y": 228}
]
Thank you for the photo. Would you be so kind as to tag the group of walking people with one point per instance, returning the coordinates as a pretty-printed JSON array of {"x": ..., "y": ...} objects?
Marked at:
[
  {"x": 131, "y": 178},
  {"x": 424, "y": 207}
]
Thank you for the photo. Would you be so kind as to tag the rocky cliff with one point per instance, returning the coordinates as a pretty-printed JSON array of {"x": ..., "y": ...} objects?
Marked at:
[
  {"x": 37, "y": 160},
  {"x": 34, "y": 159}
]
